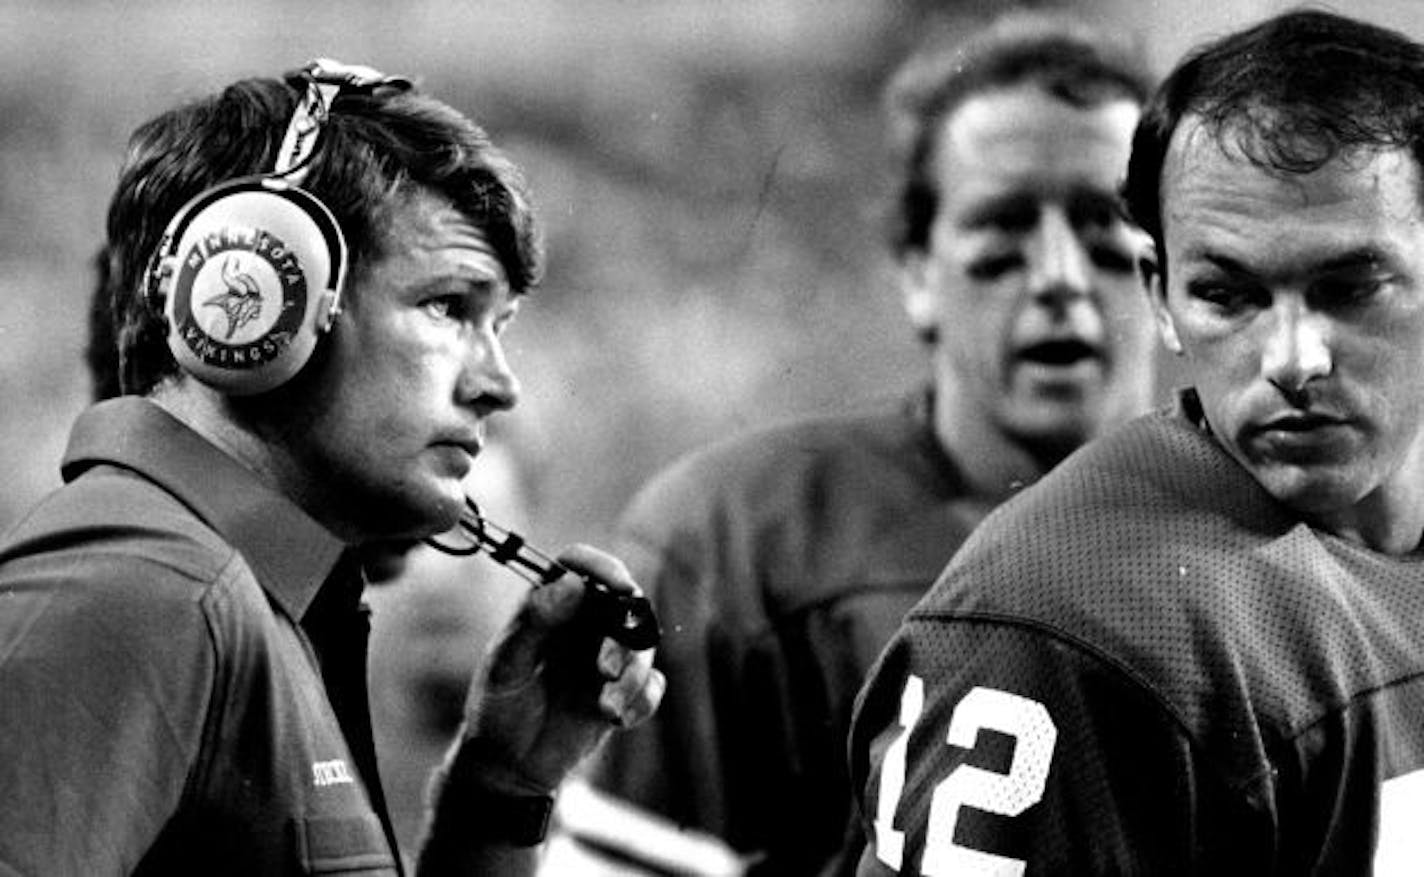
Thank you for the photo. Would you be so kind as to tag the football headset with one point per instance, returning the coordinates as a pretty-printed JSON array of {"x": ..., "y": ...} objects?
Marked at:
[{"x": 249, "y": 273}]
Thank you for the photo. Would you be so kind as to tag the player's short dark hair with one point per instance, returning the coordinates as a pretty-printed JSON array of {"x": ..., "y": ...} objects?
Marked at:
[
  {"x": 374, "y": 146},
  {"x": 1069, "y": 59},
  {"x": 1287, "y": 95}
]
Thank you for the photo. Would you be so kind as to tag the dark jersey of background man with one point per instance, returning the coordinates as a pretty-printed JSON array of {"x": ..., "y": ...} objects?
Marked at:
[{"x": 780, "y": 564}]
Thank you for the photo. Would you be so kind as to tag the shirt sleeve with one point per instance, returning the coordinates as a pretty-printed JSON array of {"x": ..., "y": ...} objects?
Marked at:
[
  {"x": 104, "y": 681},
  {"x": 982, "y": 747}
]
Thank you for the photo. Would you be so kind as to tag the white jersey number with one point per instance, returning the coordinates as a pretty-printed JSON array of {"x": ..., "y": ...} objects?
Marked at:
[
  {"x": 1401, "y": 846},
  {"x": 1006, "y": 794}
]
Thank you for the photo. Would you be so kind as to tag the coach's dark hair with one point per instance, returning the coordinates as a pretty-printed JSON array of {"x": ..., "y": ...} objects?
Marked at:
[
  {"x": 374, "y": 148},
  {"x": 101, "y": 356},
  {"x": 1067, "y": 58},
  {"x": 1287, "y": 95}
]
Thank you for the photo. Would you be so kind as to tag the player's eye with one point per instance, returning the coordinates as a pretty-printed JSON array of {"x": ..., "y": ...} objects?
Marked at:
[
  {"x": 1227, "y": 296},
  {"x": 1347, "y": 290}
]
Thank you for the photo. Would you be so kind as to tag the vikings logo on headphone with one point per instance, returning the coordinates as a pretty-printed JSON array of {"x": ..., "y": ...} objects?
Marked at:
[
  {"x": 252, "y": 280},
  {"x": 250, "y": 271},
  {"x": 224, "y": 317}
]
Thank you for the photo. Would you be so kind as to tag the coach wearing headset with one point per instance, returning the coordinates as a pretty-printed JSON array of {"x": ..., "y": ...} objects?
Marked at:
[{"x": 311, "y": 279}]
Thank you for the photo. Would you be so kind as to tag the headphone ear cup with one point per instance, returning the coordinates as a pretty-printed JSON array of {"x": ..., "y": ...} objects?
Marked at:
[{"x": 252, "y": 272}]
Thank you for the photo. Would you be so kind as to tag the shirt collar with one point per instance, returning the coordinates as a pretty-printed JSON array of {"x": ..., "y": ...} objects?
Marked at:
[{"x": 289, "y": 552}]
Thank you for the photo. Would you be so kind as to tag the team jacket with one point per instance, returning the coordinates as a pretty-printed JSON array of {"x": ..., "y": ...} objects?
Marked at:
[{"x": 1145, "y": 665}]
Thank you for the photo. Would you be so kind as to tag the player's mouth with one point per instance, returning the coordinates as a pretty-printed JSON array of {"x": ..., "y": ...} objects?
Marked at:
[{"x": 1302, "y": 436}]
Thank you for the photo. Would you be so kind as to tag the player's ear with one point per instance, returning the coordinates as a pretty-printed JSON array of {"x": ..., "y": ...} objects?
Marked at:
[
  {"x": 1154, "y": 279},
  {"x": 918, "y": 294}
]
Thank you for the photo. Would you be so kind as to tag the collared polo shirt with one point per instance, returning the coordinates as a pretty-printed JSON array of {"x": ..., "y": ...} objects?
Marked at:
[{"x": 165, "y": 619}]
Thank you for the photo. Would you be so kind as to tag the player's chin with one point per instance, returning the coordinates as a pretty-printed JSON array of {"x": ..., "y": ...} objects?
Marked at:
[{"x": 1315, "y": 489}]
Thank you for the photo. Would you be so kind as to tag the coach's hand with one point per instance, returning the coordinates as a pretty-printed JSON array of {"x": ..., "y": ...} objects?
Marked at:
[{"x": 552, "y": 688}]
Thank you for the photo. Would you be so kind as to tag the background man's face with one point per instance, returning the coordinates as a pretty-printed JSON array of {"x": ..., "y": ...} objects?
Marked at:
[{"x": 1030, "y": 278}]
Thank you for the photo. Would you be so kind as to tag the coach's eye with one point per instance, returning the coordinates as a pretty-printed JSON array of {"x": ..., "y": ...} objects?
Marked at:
[{"x": 446, "y": 307}]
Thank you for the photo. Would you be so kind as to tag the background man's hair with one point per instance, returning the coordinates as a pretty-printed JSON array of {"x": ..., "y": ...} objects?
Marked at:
[{"x": 1066, "y": 57}]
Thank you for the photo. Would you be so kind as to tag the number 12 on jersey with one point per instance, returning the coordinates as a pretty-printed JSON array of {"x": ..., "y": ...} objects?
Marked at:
[{"x": 1006, "y": 794}]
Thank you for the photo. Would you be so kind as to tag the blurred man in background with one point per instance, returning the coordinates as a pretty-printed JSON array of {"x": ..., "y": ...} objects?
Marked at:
[
  {"x": 783, "y": 561},
  {"x": 311, "y": 280},
  {"x": 1197, "y": 647}
]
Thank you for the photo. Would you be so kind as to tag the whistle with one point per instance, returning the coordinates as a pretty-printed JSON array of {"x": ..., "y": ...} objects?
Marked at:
[{"x": 627, "y": 618}]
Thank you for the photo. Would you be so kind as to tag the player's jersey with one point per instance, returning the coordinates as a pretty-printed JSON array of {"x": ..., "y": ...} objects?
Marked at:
[
  {"x": 1146, "y": 665},
  {"x": 781, "y": 563}
]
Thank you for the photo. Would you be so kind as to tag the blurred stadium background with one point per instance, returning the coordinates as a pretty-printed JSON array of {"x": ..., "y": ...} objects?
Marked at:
[{"x": 710, "y": 173}]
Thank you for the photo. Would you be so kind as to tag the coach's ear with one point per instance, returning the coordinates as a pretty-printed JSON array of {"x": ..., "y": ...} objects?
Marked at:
[{"x": 1154, "y": 279}]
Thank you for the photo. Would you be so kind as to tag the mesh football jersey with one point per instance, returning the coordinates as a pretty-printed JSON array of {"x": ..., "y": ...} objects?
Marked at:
[
  {"x": 1146, "y": 665},
  {"x": 780, "y": 562}
]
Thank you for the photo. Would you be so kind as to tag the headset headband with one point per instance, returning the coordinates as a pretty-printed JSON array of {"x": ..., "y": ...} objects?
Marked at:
[
  {"x": 325, "y": 79},
  {"x": 250, "y": 272}
]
